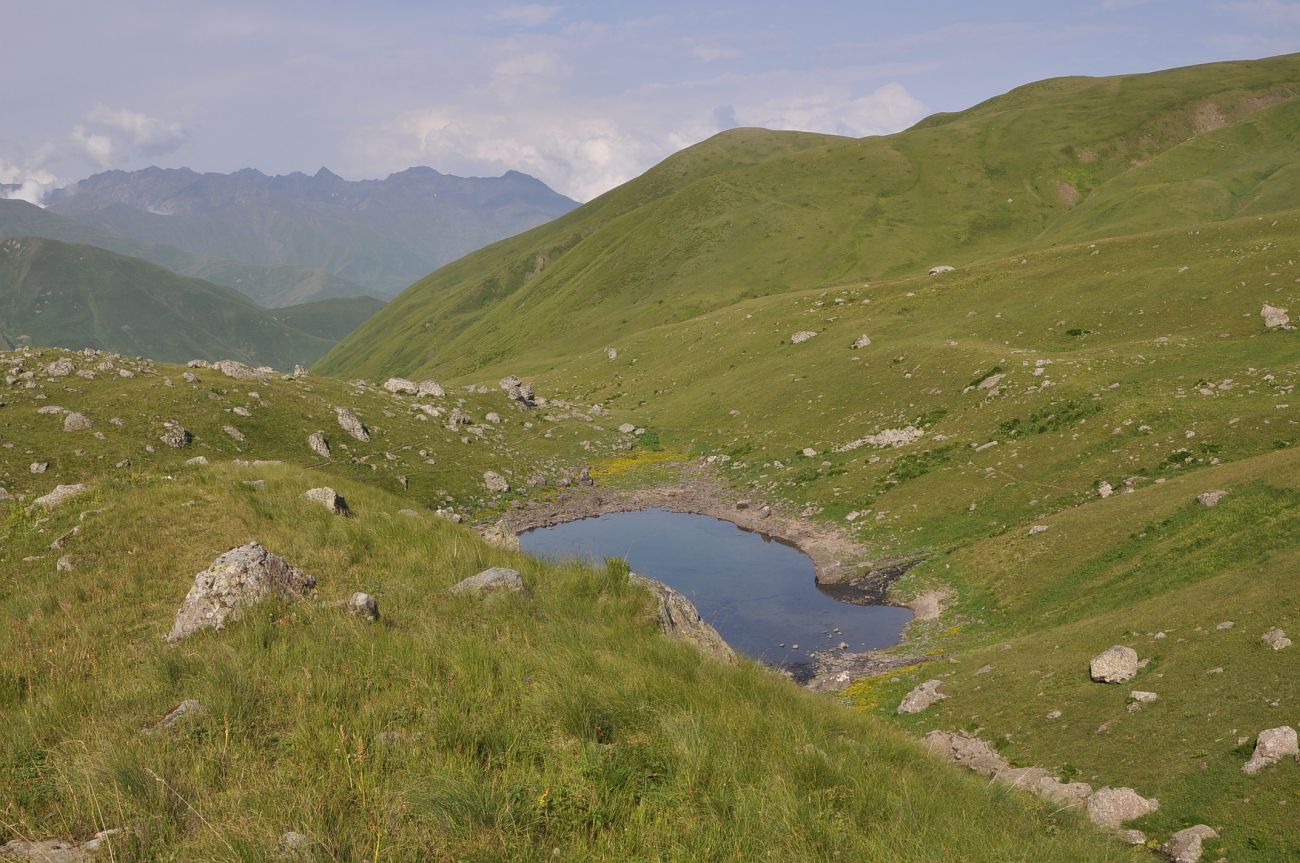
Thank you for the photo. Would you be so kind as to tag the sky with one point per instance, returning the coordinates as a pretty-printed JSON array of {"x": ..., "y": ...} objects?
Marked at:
[{"x": 583, "y": 95}]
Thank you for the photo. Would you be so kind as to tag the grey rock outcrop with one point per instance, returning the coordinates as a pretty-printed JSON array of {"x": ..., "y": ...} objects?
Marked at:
[
  {"x": 1116, "y": 664},
  {"x": 517, "y": 389},
  {"x": 941, "y": 268},
  {"x": 1112, "y": 807},
  {"x": 802, "y": 336},
  {"x": 401, "y": 385},
  {"x": 349, "y": 422},
  {"x": 970, "y": 752},
  {"x": 430, "y": 389},
  {"x": 923, "y": 697},
  {"x": 234, "y": 581},
  {"x": 862, "y": 341},
  {"x": 1211, "y": 498},
  {"x": 330, "y": 499},
  {"x": 316, "y": 443},
  {"x": 1275, "y": 318},
  {"x": 678, "y": 618},
  {"x": 1272, "y": 746},
  {"x": 495, "y": 482},
  {"x": 1276, "y": 639},
  {"x": 495, "y": 580},
  {"x": 1186, "y": 846},
  {"x": 60, "y": 494},
  {"x": 175, "y": 435},
  {"x": 75, "y": 422},
  {"x": 57, "y": 850},
  {"x": 60, "y": 368},
  {"x": 238, "y": 371}
]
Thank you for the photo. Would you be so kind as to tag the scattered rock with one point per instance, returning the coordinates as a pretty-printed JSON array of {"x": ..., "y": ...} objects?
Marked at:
[
  {"x": 187, "y": 707},
  {"x": 238, "y": 371},
  {"x": 75, "y": 422},
  {"x": 175, "y": 435},
  {"x": 1117, "y": 664},
  {"x": 941, "y": 268},
  {"x": 1185, "y": 845},
  {"x": 517, "y": 389},
  {"x": 802, "y": 336},
  {"x": 862, "y": 341},
  {"x": 197, "y": 461},
  {"x": 62, "y": 367},
  {"x": 234, "y": 433},
  {"x": 349, "y": 423},
  {"x": 626, "y": 428},
  {"x": 1111, "y": 807},
  {"x": 991, "y": 381},
  {"x": 922, "y": 697},
  {"x": 885, "y": 438},
  {"x": 1272, "y": 746},
  {"x": 1141, "y": 697},
  {"x": 431, "y": 389},
  {"x": 1275, "y": 318},
  {"x": 317, "y": 443},
  {"x": 679, "y": 618},
  {"x": 495, "y": 482},
  {"x": 1063, "y": 794},
  {"x": 494, "y": 580},
  {"x": 1105, "y": 489},
  {"x": 1037, "y": 529},
  {"x": 401, "y": 385},
  {"x": 330, "y": 499},
  {"x": 239, "y": 578},
  {"x": 60, "y": 494},
  {"x": 39, "y": 466},
  {"x": 57, "y": 850},
  {"x": 65, "y": 564},
  {"x": 968, "y": 751},
  {"x": 364, "y": 605},
  {"x": 1276, "y": 639},
  {"x": 1225, "y": 625},
  {"x": 1210, "y": 498}
]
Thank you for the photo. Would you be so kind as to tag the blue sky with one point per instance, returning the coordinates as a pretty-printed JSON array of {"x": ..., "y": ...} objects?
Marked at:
[{"x": 584, "y": 95}]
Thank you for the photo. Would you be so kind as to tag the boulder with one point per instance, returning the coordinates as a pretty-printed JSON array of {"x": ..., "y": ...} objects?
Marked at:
[
  {"x": 1021, "y": 777},
  {"x": 495, "y": 482},
  {"x": 1111, "y": 807},
  {"x": 1272, "y": 746},
  {"x": 175, "y": 435},
  {"x": 1117, "y": 664},
  {"x": 1185, "y": 845},
  {"x": 1210, "y": 498},
  {"x": 39, "y": 466},
  {"x": 234, "y": 433},
  {"x": 234, "y": 581},
  {"x": 60, "y": 494},
  {"x": 430, "y": 388},
  {"x": 1275, "y": 318},
  {"x": 316, "y": 443},
  {"x": 678, "y": 618},
  {"x": 363, "y": 605},
  {"x": 862, "y": 341},
  {"x": 626, "y": 428},
  {"x": 495, "y": 580},
  {"x": 197, "y": 461},
  {"x": 970, "y": 752},
  {"x": 802, "y": 336},
  {"x": 349, "y": 422},
  {"x": 1105, "y": 489},
  {"x": 330, "y": 499},
  {"x": 517, "y": 389},
  {"x": 1140, "y": 697},
  {"x": 1063, "y": 794},
  {"x": 941, "y": 268},
  {"x": 238, "y": 371},
  {"x": 74, "y": 422},
  {"x": 60, "y": 368},
  {"x": 923, "y": 697},
  {"x": 57, "y": 850},
  {"x": 1276, "y": 639},
  {"x": 401, "y": 385}
]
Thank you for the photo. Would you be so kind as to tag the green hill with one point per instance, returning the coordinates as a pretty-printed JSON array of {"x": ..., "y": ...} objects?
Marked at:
[{"x": 59, "y": 294}]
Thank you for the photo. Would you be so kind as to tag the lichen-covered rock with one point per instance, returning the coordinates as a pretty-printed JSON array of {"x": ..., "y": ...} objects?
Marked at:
[
  {"x": 802, "y": 336},
  {"x": 1276, "y": 639},
  {"x": 923, "y": 697},
  {"x": 431, "y": 389},
  {"x": 364, "y": 605},
  {"x": 175, "y": 435},
  {"x": 60, "y": 368},
  {"x": 75, "y": 422},
  {"x": 316, "y": 443},
  {"x": 1112, "y": 807},
  {"x": 328, "y": 498},
  {"x": 1275, "y": 318},
  {"x": 941, "y": 268},
  {"x": 679, "y": 618},
  {"x": 517, "y": 389},
  {"x": 862, "y": 341},
  {"x": 495, "y": 580},
  {"x": 238, "y": 371},
  {"x": 401, "y": 385},
  {"x": 349, "y": 422},
  {"x": 1185, "y": 846},
  {"x": 234, "y": 433},
  {"x": 1272, "y": 746},
  {"x": 1116, "y": 664},
  {"x": 197, "y": 461},
  {"x": 60, "y": 494},
  {"x": 1211, "y": 498},
  {"x": 970, "y": 752},
  {"x": 495, "y": 482},
  {"x": 234, "y": 581}
]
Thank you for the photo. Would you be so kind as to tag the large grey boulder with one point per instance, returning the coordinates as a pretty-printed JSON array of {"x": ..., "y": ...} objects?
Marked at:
[
  {"x": 330, "y": 499},
  {"x": 517, "y": 389},
  {"x": 495, "y": 482},
  {"x": 923, "y": 697},
  {"x": 1275, "y": 318},
  {"x": 316, "y": 443},
  {"x": 60, "y": 494},
  {"x": 401, "y": 385},
  {"x": 1276, "y": 639},
  {"x": 1115, "y": 664},
  {"x": 363, "y": 605},
  {"x": 1112, "y": 807},
  {"x": 1185, "y": 846},
  {"x": 240, "y": 578},
  {"x": 968, "y": 751},
  {"x": 678, "y": 618},
  {"x": 349, "y": 422},
  {"x": 495, "y": 580},
  {"x": 60, "y": 368},
  {"x": 238, "y": 371},
  {"x": 1272, "y": 746},
  {"x": 175, "y": 435},
  {"x": 430, "y": 389},
  {"x": 75, "y": 422}
]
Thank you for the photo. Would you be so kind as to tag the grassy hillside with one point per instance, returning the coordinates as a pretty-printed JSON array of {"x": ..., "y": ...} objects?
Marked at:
[
  {"x": 60, "y": 294},
  {"x": 268, "y": 286},
  {"x": 752, "y": 213},
  {"x": 451, "y": 730}
]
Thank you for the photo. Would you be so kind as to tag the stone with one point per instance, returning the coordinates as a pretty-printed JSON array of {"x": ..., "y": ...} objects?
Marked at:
[
  {"x": 1140, "y": 697},
  {"x": 430, "y": 388},
  {"x": 941, "y": 268},
  {"x": 56, "y": 850},
  {"x": 1210, "y": 498},
  {"x": 238, "y": 371},
  {"x": 1116, "y": 664},
  {"x": 60, "y": 494},
  {"x": 1063, "y": 794},
  {"x": 74, "y": 422},
  {"x": 234, "y": 581},
  {"x": 175, "y": 435},
  {"x": 991, "y": 381},
  {"x": 626, "y": 428},
  {"x": 968, "y": 751},
  {"x": 316, "y": 443},
  {"x": 1037, "y": 529},
  {"x": 1185, "y": 845},
  {"x": 1021, "y": 777},
  {"x": 299, "y": 371},
  {"x": 234, "y": 433},
  {"x": 924, "y": 696},
  {"x": 60, "y": 368},
  {"x": 495, "y": 482},
  {"x": 802, "y": 336},
  {"x": 517, "y": 389},
  {"x": 39, "y": 466},
  {"x": 349, "y": 422},
  {"x": 330, "y": 499},
  {"x": 401, "y": 385},
  {"x": 1111, "y": 807},
  {"x": 495, "y": 580},
  {"x": 188, "y": 707},
  {"x": 678, "y": 618},
  {"x": 364, "y": 605},
  {"x": 190, "y": 377},
  {"x": 197, "y": 461},
  {"x": 1272, "y": 746},
  {"x": 862, "y": 341},
  {"x": 1276, "y": 639},
  {"x": 295, "y": 841},
  {"x": 1105, "y": 489},
  {"x": 1275, "y": 318}
]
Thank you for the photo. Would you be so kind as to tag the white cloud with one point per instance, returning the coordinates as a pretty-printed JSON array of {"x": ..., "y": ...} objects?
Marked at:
[
  {"x": 887, "y": 109},
  {"x": 526, "y": 15},
  {"x": 148, "y": 136},
  {"x": 33, "y": 184}
]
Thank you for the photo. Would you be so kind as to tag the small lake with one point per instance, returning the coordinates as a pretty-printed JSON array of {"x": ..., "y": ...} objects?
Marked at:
[{"x": 759, "y": 593}]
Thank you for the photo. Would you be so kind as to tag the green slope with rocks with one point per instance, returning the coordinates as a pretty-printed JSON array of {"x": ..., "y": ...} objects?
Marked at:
[
  {"x": 551, "y": 722},
  {"x": 60, "y": 294}
]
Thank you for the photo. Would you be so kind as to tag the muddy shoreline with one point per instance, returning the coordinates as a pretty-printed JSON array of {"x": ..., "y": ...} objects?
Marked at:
[{"x": 844, "y": 567}]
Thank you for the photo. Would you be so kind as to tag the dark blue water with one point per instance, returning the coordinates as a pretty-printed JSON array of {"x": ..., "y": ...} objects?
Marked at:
[{"x": 758, "y": 593}]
